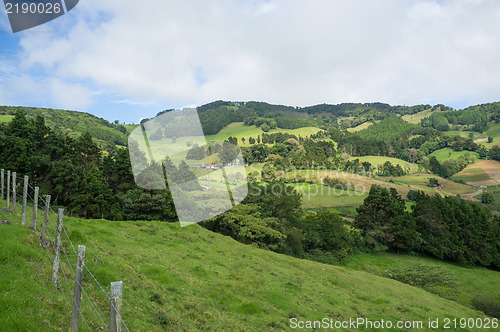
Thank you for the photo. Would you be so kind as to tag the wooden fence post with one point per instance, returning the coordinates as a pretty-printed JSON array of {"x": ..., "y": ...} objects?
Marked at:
[
  {"x": 8, "y": 188},
  {"x": 35, "y": 207},
  {"x": 57, "y": 250},
  {"x": 14, "y": 194},
  {"x": 115, "y": 324},
  {"x": 1, "y": 182},
  {"x": 25, "y": 199},
  {"x": 45, "y": 217},
  {"x": 77, "y": 293}
]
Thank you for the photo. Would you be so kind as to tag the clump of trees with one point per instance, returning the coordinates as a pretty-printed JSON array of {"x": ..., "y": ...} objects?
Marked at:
[
  {"x": 448, "y": 228},
  {"x": 271, "y": 217}
]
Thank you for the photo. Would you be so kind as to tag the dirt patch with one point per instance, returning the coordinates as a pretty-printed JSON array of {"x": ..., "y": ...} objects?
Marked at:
[
  {"x": 490, "y": 167},
  {"x": 480, "y": 140}
]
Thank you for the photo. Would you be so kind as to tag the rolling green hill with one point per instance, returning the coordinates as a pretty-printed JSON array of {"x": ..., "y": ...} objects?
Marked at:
[
  {"x": 417, "y": 117},
  {"x": 380, "y": 160},
  {"x": 74, "y": 123},
  {"x": 448, "y": 153},
  {"x": 189, "y": 279},
  {"x": 239, "y": 130}
]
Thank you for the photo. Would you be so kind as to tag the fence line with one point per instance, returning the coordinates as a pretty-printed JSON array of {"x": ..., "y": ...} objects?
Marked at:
[{"x": 114, "y": 298}]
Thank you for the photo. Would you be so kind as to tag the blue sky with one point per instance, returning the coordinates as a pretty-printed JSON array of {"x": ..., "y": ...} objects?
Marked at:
[{"x": 121, "y": 61}]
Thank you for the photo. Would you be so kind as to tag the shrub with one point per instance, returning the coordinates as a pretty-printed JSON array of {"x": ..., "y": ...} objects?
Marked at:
[
  {"x": 487, "y": 198},
  {"x": 489, "y": 306},
  {"x": 335, "y": 182},
  {"x": 433, "y": 182}
]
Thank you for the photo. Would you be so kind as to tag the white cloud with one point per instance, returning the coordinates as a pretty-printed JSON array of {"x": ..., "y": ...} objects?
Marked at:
[{"x": 283, "y": 51}]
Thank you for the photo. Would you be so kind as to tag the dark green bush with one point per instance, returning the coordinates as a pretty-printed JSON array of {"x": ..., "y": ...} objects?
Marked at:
[
  {"x": 487, "y": 305},
  {"x": 430, "y": 278}
]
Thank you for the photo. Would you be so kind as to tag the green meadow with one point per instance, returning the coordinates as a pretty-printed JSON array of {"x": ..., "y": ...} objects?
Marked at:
[
  {"x": 6, "y": 118},
  {"x": 417, "y": 117},
  {"x": 239, "y": 130},
  {"x": 448, "y": 153},
  {"x": 380, "y": 160},
  {"x": 190, "y": 279}
]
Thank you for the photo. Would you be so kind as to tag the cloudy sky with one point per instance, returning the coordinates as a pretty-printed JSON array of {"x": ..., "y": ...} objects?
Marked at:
[{"x": 124, "y": 59}]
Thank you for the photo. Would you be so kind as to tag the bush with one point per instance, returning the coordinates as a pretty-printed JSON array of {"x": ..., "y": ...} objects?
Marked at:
[
  {"x": 489, "y": 306},
  {"x": 430, "y": 278},
  {"x": 433, "y": 182},
  {"x": 413, "y": 195},
  {"x": 335, "y": 182},
  {"x": 487, "y": 198}
]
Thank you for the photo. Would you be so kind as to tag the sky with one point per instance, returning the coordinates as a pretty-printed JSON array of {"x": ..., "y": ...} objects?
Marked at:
[{"x": 126, "y": 60}]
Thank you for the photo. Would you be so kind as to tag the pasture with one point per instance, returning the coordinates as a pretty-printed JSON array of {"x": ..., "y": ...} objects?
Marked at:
[
  {"x": 190, "y": 279},
  {"x": 239, "y": 130},
  {"x": 481, "y": 173},
  {"x": 6, "y": 118},
  {"x": 380, "y": 160},
  {"x": 448, "y": 153},
  {"x": 362, "y": 126},
  {"x": 417, "y": 117},
  {"x": 420, "y": 181}
]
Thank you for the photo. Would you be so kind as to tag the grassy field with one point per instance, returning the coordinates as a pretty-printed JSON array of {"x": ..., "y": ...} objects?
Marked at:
[
  {"x": 239, "y": 130},
  {"x": 420, "y": 181},
  {"x": 360, "y": 127},
  {"x": 481, "y": 173},
  {"x": 473, "y": 177},
  {"x": 6, "y": 118},
  {"x": 417, "y": 117},
  {"x": 473, "y": 174},
  {"x": 189, "y": 279},
  {"x": 448, "y": 153},
  {"x": 378, "y": 160},
  {"x": 493, "y": 131},
  {"x": 319, "y": 196},
  {"x": 495, "y": 205},
  {"x": 130, "y": 127},
  {"x": 472, "y": 283}
]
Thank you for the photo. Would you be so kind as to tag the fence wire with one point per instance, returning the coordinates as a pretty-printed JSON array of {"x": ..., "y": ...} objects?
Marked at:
[{"x": 51, "y": 226}]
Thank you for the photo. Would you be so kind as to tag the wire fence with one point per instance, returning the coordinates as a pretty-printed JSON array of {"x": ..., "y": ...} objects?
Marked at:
[{"x": 96, "y": 301}]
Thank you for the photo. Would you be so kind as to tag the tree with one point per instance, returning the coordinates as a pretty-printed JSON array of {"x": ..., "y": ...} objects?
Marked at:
[
  {"x": 487, "y": 198},
  {"x": 433, "y": 182},
  {"x": 326, "y": 231},
  {"x": 495, "y": 153},
  {"x": 245, "y": 223},
  {"x": 384, "y": 222}
]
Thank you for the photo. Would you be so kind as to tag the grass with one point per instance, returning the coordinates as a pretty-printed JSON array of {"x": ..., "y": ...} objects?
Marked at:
[
  {"x": 6, "y": 118},
  {"x": 362, "y": 126},
  {"x": 130, "y": 127},
  {"x": 493, "y": 131},
  {"x": 472, "y": 282},
  {"x": 474, "y": 170},
  {"x": 417, "y": 117},
  {"x": 495, "y": 205},
  {"x": 318, "y": 196},
  {"x": 472, "y": 177},
  {"x": 189, "y": 279},
  {"x": 380, "y": 160},
  {"x": 420, "y": 181},
  {"x": 448, "y": 153},
  {"x": 239, "y": 130}
]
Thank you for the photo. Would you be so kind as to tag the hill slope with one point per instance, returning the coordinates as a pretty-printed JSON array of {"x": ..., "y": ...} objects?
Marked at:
[
  {"x": 73, "y": 122},
  {"x": 192, "y": 279}
]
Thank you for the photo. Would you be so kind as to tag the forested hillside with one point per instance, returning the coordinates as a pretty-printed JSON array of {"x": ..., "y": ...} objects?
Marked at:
[{"x": 107, "y": 134}]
